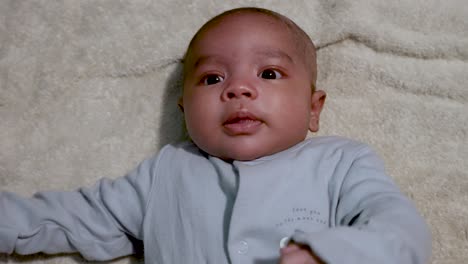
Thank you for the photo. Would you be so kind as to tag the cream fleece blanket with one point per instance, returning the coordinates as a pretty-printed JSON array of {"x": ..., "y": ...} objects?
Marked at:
[{"x": 89, "y": 88}]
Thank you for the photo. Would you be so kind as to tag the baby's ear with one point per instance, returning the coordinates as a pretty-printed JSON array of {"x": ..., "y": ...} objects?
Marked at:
[
  {"x": 180, "y": 104},
  {"x": 316, "y": 106}
]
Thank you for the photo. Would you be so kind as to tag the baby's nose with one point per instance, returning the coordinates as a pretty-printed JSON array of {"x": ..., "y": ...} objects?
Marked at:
[
  {"x": 233, "y": 94},
  {"x": 238, "y": 89}
]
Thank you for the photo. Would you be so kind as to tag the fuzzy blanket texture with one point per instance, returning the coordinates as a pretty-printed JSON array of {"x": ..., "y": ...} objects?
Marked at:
[{"x": 89, "y": 88}]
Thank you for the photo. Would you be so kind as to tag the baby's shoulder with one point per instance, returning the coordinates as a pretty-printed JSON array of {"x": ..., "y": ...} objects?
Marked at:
[
  {"x": 180, "y": 151},
  {"x": 334, "y": 143}
]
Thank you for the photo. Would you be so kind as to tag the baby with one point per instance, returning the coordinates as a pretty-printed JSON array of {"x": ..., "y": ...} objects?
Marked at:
[{"x": 250, "y": 188}]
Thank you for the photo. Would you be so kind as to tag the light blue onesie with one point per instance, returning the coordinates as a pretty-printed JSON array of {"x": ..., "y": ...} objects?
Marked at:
[{"x": 188, "y": 207}]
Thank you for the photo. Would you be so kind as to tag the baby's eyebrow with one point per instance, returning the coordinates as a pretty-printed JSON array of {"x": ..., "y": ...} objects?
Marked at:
[
  {"x": 259, "y": 53},
  {"x": 206, "y": 59},
  {"x": 273, "y": 53}
]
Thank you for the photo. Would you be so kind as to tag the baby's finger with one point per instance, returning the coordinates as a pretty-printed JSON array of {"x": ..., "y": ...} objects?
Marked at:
[
  {"x": 289, "y": 248},
  {"x": 300, "y": 256}
]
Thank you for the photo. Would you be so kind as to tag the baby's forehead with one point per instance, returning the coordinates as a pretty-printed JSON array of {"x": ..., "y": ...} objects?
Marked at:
[
  {"x": 228, "y": 26},
  {"x": 280, "y": 23}
]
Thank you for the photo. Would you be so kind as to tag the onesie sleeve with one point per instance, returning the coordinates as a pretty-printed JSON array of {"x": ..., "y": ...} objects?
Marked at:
[
  {"x": 373, "y": 221},
  {"x": 99, "y": 222}
]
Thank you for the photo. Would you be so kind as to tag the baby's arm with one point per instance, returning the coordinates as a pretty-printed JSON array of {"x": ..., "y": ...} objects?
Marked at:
[
  {"x": 373, "y": 221},
  {"x": 97, "y": 221}
]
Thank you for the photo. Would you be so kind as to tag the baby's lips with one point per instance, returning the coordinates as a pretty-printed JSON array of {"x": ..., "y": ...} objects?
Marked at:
[
  {"x": 242, "y": 123},
  {"x": 241, "y": 115}
]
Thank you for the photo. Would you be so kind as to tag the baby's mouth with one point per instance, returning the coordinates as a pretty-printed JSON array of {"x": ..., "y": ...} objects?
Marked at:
[
  {"x": 242, "y": 123},
  {"x": 240, "y": 120}
]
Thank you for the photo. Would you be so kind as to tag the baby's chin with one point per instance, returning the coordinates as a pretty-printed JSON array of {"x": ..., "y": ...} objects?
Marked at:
[
  {"x": 246, "y": 148},
  {"x": 239, "y": 153},
  {"x": 245, "y": 153},
  {"x": 241, "y": 156}
]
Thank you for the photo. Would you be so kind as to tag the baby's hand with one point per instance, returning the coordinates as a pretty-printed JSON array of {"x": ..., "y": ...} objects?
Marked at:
[{"x": 298, "y": 254}]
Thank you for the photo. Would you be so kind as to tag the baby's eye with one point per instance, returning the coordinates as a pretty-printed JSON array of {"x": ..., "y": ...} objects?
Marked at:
[
  {"x": 270, "y": 74},
  {"x": 211, "y": 79}
]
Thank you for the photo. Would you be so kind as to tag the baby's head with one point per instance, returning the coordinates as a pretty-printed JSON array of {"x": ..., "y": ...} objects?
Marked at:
[{"x": 249, "y": 85}]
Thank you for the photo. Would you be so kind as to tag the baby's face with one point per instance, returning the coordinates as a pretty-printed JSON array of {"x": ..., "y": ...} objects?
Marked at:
[{"x": 247, "y": 93}]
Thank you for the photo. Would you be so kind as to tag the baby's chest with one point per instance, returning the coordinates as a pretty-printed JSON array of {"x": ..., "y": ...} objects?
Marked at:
[
  {"x": 207, "y": 221},
  {"x": 264, "y": 215},
  {"x": 282, "y": 208}
]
